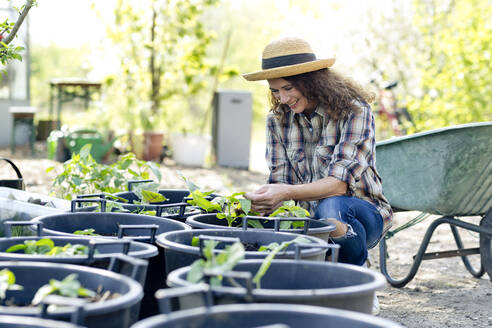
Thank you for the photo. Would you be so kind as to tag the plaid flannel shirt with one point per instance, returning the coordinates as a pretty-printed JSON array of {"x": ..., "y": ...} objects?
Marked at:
[{"x": 301, "y": 150}]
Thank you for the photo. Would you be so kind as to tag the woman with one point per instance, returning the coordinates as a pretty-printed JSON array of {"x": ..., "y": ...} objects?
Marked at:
[{"x": 321, "y": 147}]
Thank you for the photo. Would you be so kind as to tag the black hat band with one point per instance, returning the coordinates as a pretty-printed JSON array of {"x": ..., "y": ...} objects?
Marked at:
[{"x": 287, "y": 60}]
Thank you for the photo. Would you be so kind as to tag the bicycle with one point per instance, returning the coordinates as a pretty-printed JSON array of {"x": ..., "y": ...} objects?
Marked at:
[{"x": 391, "y": 118}]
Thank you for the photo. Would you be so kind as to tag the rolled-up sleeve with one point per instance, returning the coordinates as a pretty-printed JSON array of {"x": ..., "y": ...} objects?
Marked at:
[{"x": 354, "y": 151}]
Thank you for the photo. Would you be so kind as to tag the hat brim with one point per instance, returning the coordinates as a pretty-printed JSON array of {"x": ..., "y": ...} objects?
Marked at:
[{"x": 289, "y": 70}]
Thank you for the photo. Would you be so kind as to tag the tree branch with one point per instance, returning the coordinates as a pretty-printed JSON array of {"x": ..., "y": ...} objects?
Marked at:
[{"x": 20, "y": 20}]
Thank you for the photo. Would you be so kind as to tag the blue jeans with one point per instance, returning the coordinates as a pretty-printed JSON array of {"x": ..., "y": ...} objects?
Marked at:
[{"x": 365, "y": 226}]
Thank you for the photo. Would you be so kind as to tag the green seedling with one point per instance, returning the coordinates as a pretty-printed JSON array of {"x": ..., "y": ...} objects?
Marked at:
[
  {"x": 233, "y": 207},
  {"x": 199, "y": 197},
  {"x": 7, "y": 282},
  {"x": 222, "y": 262},
  {"x": 86, "y": 232},
  {"x": 227, "y": 260},
  {"x": 200, "y": 200},
  {"x": 290, "y": 209},
  {"x": 148, "y": 193},
  {"x": 274, "y": 249},
  {"x": 68, "y": 287},
  {"x": 46, "y": 246}
]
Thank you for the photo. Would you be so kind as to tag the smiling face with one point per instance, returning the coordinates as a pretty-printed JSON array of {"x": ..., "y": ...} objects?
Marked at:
[{"x": 287, "y": 94}]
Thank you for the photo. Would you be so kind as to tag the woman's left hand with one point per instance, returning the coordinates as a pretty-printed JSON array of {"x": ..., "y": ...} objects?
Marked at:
[{"x": 268, "y": 197}]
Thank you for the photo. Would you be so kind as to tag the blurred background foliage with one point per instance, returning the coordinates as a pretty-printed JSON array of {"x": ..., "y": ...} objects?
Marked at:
[{"x": 172, "y": 55}]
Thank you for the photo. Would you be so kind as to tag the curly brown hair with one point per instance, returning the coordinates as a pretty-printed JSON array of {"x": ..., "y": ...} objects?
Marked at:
[{"x": 328, "y": 89}]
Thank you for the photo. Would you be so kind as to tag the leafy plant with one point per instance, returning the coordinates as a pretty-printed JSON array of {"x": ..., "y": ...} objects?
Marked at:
[
  {"x": 227, "y": 260},
  {"x": 199, "y": 197},
  {"x": 222, "y": 262},
  {"x": 46, "y": 246},
  {"x": 290, "y": 209},
  {"x": 7, "y": 282},
  {"x": 83, "y": 175},
  {"x": 68, "y": 287},
  {"x": 148, "y": 193},
  {"x": 227, "y": 207},
  {"x": 274, "y": 249},
  {"x": 233, "y": 207}
]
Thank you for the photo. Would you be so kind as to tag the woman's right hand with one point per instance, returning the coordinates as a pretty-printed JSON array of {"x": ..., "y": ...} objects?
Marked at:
[{"x": 268, "y": 198}]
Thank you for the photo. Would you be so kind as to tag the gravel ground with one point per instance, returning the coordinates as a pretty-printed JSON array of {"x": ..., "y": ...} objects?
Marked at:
[{"x": 443, "y": 293}]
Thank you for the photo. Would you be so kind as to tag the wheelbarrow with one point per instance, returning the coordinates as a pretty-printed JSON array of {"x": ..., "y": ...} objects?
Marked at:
[{"x": 445, "y": 172}]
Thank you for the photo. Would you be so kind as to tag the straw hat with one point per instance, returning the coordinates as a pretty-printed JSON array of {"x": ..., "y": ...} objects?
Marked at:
[{"x": 286, "y": 57}]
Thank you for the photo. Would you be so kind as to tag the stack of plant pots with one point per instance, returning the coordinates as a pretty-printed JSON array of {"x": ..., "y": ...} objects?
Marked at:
[
  {"x": 135, "y": 227},
  {"x": 117, "y": 312},
  {"x": 299, "y": 288}
]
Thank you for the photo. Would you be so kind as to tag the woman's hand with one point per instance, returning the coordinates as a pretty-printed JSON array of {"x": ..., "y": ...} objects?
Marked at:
[{"x": 268, "y": 197}]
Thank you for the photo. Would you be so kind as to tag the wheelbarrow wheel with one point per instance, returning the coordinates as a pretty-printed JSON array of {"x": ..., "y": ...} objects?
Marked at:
[{"x": 486, "y": 244}]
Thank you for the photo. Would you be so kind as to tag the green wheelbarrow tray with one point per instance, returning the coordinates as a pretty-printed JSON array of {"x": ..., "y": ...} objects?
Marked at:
[
  {"x": 445, "y": 171},
  {"x": 79, "y": 138}
]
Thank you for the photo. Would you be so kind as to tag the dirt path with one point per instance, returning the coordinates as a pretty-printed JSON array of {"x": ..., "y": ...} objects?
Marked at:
[{"x": 443, "y": 293}]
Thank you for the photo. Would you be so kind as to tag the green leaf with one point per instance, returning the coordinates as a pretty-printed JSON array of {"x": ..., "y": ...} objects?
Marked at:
[
  {"x": 195, "y": 241},
  {"x": 255, "y": 224},
  {"x": 195, "y": 274},
  {"x": 245, "y": 205},
  {"x": 45, "y": 242},
  {"x": 15, "y": 248},
  {"x": 41, "y": 293},
  {"x": 155, "y": 169},
  {"x": 85, "y": 151},
  {"x": 7, "y": 282},
  {"x": 153, "y": 197}
]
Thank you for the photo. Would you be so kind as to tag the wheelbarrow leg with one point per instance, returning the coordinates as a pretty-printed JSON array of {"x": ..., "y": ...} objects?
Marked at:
[
  {"x": 485, "y": 235},
  {"x": 417, "y": 260},
  {"x": 466, "y": 262},
  {"x": 486, "y": 244}
]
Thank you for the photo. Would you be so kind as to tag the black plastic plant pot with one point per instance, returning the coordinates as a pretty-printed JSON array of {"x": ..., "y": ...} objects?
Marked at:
[
  {"x": 327, "y": 284},
  {"x": 179, "y": 252},
  {"x": 265, "y": 315},
  {"x": 100, "y": 250},
  {"x": 175, "y": 207},
  {"x": 14, "y": 321},
  {"x": 112, "y": 225},
  {"x": 315, "y": 228},
  {"x": 116, "y": 312}
]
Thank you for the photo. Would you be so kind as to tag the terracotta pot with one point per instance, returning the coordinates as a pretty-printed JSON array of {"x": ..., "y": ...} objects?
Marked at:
[{"x": 152, "y": 145}]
